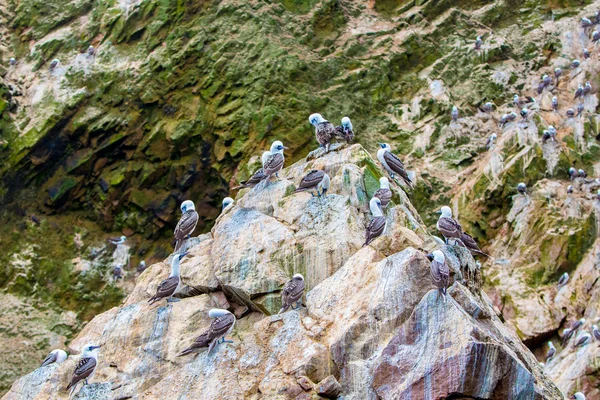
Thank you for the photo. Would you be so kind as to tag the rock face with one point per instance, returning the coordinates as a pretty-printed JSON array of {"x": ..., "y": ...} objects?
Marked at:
[{"x": 374, "y": 326}]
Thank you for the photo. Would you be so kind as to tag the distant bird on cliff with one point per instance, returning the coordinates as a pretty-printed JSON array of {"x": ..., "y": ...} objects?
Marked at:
[
  {"x": 552, "y": 131},
  {"x": 85, "y": 367},
  {"x": 227, "y": 201},
  {"x": 555, "y": 104},
  {"x": 546, "y": 136},
  {"x": 596, "y": 332},
  {"x": 578, "y": 92},
  {"x": 570, "y": 189},
  {"x": 564, "y": 278},
  {"x": 522, "y": 188},
  {"x": 579, "y": 109},
  {"x": 186, "y": 225},
  {"x": 575, "y": 64},
  {"x": 345, "y": 131},
  {"x": 546, "y": 80},
  {"x": 595, "y": 36},
  {"x": 118, "y": 241},
  {"x": 586, "y": 54},
  {"x": 470, "y": 244},
  {"x": 171, "y": 285},
  {"x": 454, "y": 113},
  {"x": 587, "y": 88},
  {"x": 54, "y": 64},
  {"x": 578, "y": 396},
  {"x": 274, "y": 163},
  {"x": 521, "y": 102},
  {"x": 324, "y": 130},
  {"x": 490, "y": 141},
  {"x": 583, "y": 339},
  {"x": 567, "y": 334},
  {"x": 577, "y": 324},
  {"x": 384, "y": 194},
  {"x": 570, "y": 113},
  {"x": 572, "y": 173},
  {"x": 141, "y": 267},
  {"x": 585, "y": 22},
  {"x": 448, "y": 226},
  {"x": 292, "y": 293},
  {"x": 315, "y": 180},
  {"x": 524, "y": 114},
  {"x": 35, "y": 219},
  {"x": 258, "y": 176},
  {"x": 581, "y": 173},
  {"x": 377, "y": 224},
  {"x": 557, "y": 74},
  {"x": 117, "y": 272},
  {"x": 506, "y": 118},
  {"x": 487, "y": 107},
  {"x": 91, "y": 51},
  {"x": 220, "y": 327},
  {"x": 478, "y": 43},
  {"x": 391, "y": 163},
  {"x": 551, "y": 351},
  {"x": 439, "y": 271},
  {"x": 56, "y": 356},
  {"x": 12, "y": 61}
]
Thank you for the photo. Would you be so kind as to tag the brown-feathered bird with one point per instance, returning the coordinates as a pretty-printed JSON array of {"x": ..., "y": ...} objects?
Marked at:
[
  {"x": 440, "y": 273},
  {"x": 377, "y": 224},
  {"x": 384, "y": 194},
  {"x": 448, "y": 226},
  {"x": 220, "y": 327},
  {"x": 345, "y": 131},
  {"x": 470, "y": 243},
  {"x": 391, "y": 163},
  {"x": 315, "y": 180},
  {"x": 324, "y": 130},
  {"x": 292, "y": 293},
  {"x": 85, "y": 367},
  {"x": 273, "y": 160},
  {"x": 186, "y": 225},
  {"x": 254, "y": 180},
  {"x": 171, "y": 285}
]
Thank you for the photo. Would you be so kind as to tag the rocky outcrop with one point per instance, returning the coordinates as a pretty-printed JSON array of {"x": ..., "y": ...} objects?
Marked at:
[{"x": 373, "y": 325}]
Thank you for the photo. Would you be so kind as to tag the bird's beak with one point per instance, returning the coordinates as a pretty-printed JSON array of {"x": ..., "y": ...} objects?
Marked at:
[
  {"x": 286, "y": 148},
  {"x": 381, "y": 145},
  {"x": 183, "y": 255},
  {"x": 95, "y": 347},
  {"x": 438, "y": 212}
]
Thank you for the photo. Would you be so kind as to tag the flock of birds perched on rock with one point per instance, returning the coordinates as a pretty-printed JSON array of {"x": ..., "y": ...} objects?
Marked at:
[{"x": 317, "y": 182}]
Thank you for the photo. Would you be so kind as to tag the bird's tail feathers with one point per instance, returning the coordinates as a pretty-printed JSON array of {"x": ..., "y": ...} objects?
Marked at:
[
  {"x": 187, "y": 351},
  {"x": 283, "y": 309}
]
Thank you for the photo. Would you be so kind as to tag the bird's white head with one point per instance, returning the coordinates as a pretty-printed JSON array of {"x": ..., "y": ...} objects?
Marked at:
[
  {"x": 594, "y": 327},
  {"x": 217, "y": 312},
  {"x": 582, "y": 321},
  {"x": 90, "y": 350},
  {"x": 61, "y": 355},
  {"x": 579, "y": 396},
  {"x": 439, "y": 256},
  {"x": 385, "y": 146},
  {"x": 227, "y": 201},
  {"x": 375, "y": 206},
  {"x": 454, "y": 109},
  {"x": 478, "y": 37},
  {"x": 494, "y": 136},
  {"x": 521, "y": 186},
  {"x": 277, "y": 147},
  {"x": 143, "y": 263},
  {"x": 516, "y": 97},
  {"x": 298, "y": 276},
  {"x": 123, "y": 238},
  {"x": 187, "y": 205},
  {"x": 384, "y": 183},
  {"x": 346, "y": 123},
  {"x": 446, "y": 212},
  {"x": 581, "y": 171},
  {"x": 551, "y": 345},
  {"x": 315, "y": 119},
  {"x": 554, "y": 99},
  {"x": 55, "y": 61}
]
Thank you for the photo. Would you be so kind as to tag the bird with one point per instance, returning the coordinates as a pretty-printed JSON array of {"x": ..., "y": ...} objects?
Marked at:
[
  {"x": 555, "y": 104},
  {"x": 171, "y": 285},
  {"x": 56, "y": 356},
  {"x": 578, "y": 92},
  {"x": 227, "y": 201},
  {"x": 519, "y": 102},
  {"x": 377, "y": 224},
  {"x": 315, "y": 180},
  {"x": 546, "y": 136},
  {"x": 567, "y": 334},
  {"x": 470, "y": 244},
  {"x": 577, "y": 324},
  {"x": 581, "y": 173},
  {"x": 258, "y": 176},
  {"x": 551, "y": 351},
  {"x": 324, "y": 130},
  {"x": 35, "y": 219},
  {"x": 585, "y": 22},
  {"x": 507, "y": 118},
  {"x": 578, "y": 396},
  {"x": 478, "y": 43},
  {"x": 186, "y": 225},
  {"x": 583, "y": 339},
  {"x": 345, "y": 131},
  {"x": 490, "y": 141},
  {"x": 384, "y": 194},
  {"x": 570, "y": 113},
  {"x": 142, "y": 266},
  {"x": 595, "y": 36},
  {"x": 292, "y": 293},
  {"x": 487, "y": 107},
  {"x": 220, "y": 327},
  {"x": 448, "y": 226},
  {"x": 579, "y": 109},
  {"x": 454, "y": 113},
  {"x": 570, "y": 189},
  {"x": 552, "y": 131},
  {"x": 564, "y": 278},
  {"x": 546, "y": 80},
  {"x": 575, "y": 64},
  {"x": 587, "y": 88},
  {"x": 557, "y": 74},
  {"x": 524, "y": 113},
  {"x": 118, "y": 241},
  {"x": 85, "y": 367},
  {"x": 91, "y": 51},
  {"x": 586, "y": 53},
  {"x": 596, "y": 332},
  {"x": 391, "y": 163},
  {"x": 439, "y": 271},
  {"x": 522, "y": 188},
  {"x": 572, "y": 173},
  {"x": 12, "y": 61},
  {"x": 117, "y": 272},
  {"x": 54, "y": 64},
  {"x": 274, "y": 162}
]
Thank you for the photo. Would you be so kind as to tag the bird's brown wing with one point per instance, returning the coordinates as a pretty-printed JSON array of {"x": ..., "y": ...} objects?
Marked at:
[
  {"x": 220, "y": 326},
  {"x": 255, "y": 178},
  {"x": 375, "y": 229},
  {"x": 83, "y": 370},
  {"x": 311, "y": 180},
  {"x": 439, "y": 274},
  {"x": 396, "y": 165},
  {"x": 49, "y": 360},
  {"x": 385, "y": 195},
  {"x": 449, "y": 227},
  {"x": 273, "y": 165},
  {"x": 469, "y": 241},
  {"x": 292, "y": 292},
  {"x": 325, "y": 132},
  {"x": 186, "y": 225},
  {"x": 166, "y": 288}
]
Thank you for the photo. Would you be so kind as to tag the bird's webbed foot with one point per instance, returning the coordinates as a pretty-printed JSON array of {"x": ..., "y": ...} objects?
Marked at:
[{"x": 173, "y": 300}]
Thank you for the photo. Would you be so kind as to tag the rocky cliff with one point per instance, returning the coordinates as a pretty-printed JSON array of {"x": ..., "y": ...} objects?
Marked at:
[{"x": 373, "y": 325}]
